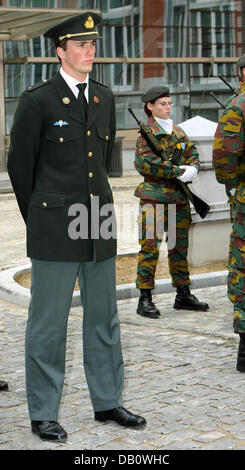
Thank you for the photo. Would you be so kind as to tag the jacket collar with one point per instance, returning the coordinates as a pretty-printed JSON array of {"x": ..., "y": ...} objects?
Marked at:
[
  {"x": 155, "y": 126},
  {"x": 243, "y": 87},
  {"x": 159, "y": 131}
]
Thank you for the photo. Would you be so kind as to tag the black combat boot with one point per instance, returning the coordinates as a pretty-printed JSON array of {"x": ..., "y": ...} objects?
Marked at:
[
  {"x": 3, "y": 385},
  {"x": 146, "y": 307},
  {"x": 186, "y": 301},
  {"x": 241, "y": 354}
]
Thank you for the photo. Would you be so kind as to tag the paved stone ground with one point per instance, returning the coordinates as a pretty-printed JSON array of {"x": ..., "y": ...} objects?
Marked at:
[{"x": 179, "y": 372}]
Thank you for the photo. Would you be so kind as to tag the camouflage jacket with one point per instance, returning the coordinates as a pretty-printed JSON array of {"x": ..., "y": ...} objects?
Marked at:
[
  {"x": 229, "y": 144},
  {"x": 160, "y": 182}
]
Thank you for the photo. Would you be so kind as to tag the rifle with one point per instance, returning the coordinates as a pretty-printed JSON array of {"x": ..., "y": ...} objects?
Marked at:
[
  {"x": 201, "y": 207},
  {"x": 216, "y": 99},
  {"x": 228, "y": 84}
]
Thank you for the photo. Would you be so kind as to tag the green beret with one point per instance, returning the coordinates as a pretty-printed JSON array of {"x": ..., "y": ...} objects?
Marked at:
[
  {"x": 241, "y": 61},
  {"x": 154, "y": 93},
  {"x": 78, "y": 28}
]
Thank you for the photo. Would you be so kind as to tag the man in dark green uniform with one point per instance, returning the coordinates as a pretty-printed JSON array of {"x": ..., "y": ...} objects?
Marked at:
[
  {"x": 61, "y": 148},
  {"x": 229, "y": 165},
  {"x": 159, "y": 194}
]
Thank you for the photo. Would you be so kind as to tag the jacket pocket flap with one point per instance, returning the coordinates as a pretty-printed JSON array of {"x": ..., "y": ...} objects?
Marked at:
[
  {"x": 104, "y": 133},
  {"x": 60, "y": 135},
  {"x": 47, "y": 200}
]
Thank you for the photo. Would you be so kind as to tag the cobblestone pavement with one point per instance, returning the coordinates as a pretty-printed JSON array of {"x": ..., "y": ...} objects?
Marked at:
[{"x": 180, "y": 372}]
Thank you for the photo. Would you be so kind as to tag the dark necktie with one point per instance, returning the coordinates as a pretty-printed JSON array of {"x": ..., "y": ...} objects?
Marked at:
[{"x": 81, "y": 98}]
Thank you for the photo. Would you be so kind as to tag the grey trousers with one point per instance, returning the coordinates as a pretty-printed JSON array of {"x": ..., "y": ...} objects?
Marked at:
[{"x": 51, "y": 295}]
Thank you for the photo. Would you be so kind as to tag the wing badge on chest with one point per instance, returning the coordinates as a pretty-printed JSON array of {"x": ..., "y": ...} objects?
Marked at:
[{"x": 60, "y": 123}]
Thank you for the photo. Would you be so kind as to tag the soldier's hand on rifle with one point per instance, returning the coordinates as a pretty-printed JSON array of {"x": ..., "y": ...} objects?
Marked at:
[{"x": 190, "y": 172}]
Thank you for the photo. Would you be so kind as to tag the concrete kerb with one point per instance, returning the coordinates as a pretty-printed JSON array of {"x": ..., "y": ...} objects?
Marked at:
[{"x": 12, "y": 291}]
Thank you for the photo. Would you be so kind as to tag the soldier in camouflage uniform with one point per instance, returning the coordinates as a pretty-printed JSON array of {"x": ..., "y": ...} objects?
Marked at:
[
  {"x": 229, "y": 165},
  {"x": 162, "y": 200}
]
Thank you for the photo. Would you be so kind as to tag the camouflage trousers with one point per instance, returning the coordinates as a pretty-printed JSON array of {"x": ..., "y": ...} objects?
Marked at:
[
  {"x": 236, "y": 266},
  {"x": 155, "y": 219}
]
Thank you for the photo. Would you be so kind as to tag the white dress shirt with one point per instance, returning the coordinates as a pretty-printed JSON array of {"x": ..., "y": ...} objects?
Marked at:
[{"x": 73, "y": 82}]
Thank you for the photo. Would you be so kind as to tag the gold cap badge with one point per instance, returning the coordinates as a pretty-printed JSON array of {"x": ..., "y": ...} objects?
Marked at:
[{"x": 89, "y": 24}]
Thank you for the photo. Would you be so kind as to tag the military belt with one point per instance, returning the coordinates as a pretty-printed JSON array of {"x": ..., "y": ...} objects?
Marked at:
[{"x": 158, "y": 179}]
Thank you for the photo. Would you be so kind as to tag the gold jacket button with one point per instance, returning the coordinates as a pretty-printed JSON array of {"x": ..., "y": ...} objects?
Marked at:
[
  {"x": 90, "y": 154},
  {"x": 88, "y": 133},
  {"x": 90, "y": 174},
  {"x": 106, "y": 137},
  {"x": 61, "y": 139},
  {"x": 44, "y": 204},
  {"x": 91, "y": 195}
]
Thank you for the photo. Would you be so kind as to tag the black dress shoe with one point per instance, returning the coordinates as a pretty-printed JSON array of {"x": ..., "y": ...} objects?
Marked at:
[
  {"x": 3, "y": 386},
  {"x": 121, "y": 416},
  {"x": 186, "y": 301},
  {"x": 241, "y": 354},
  {"x": 49, "y": 431},
  {"x": 146, "y": 307}
]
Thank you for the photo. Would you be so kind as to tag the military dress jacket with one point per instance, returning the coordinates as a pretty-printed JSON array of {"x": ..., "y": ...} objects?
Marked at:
[
  {"x": 159, "y": 175},
  {"x": 58, "y": 162}
]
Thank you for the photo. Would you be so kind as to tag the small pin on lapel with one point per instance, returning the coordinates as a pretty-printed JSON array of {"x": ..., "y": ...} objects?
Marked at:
[{"x": 66, "y": 100}]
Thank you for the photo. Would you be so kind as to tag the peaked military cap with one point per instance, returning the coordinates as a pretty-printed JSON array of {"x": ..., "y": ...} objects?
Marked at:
[
  {"x": 155, "y": 92},
  {"x": 79, "y": 27},
  {"x": 241, "y": 61}
]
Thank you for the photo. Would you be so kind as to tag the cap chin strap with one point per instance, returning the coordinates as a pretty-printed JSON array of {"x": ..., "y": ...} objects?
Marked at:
[{"x": 77, "y": 34}]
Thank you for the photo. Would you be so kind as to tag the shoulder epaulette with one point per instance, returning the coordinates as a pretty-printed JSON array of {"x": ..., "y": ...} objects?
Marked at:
[
  {"x": 98, "y": 83},
  {"x": 37, "y": 85}
]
